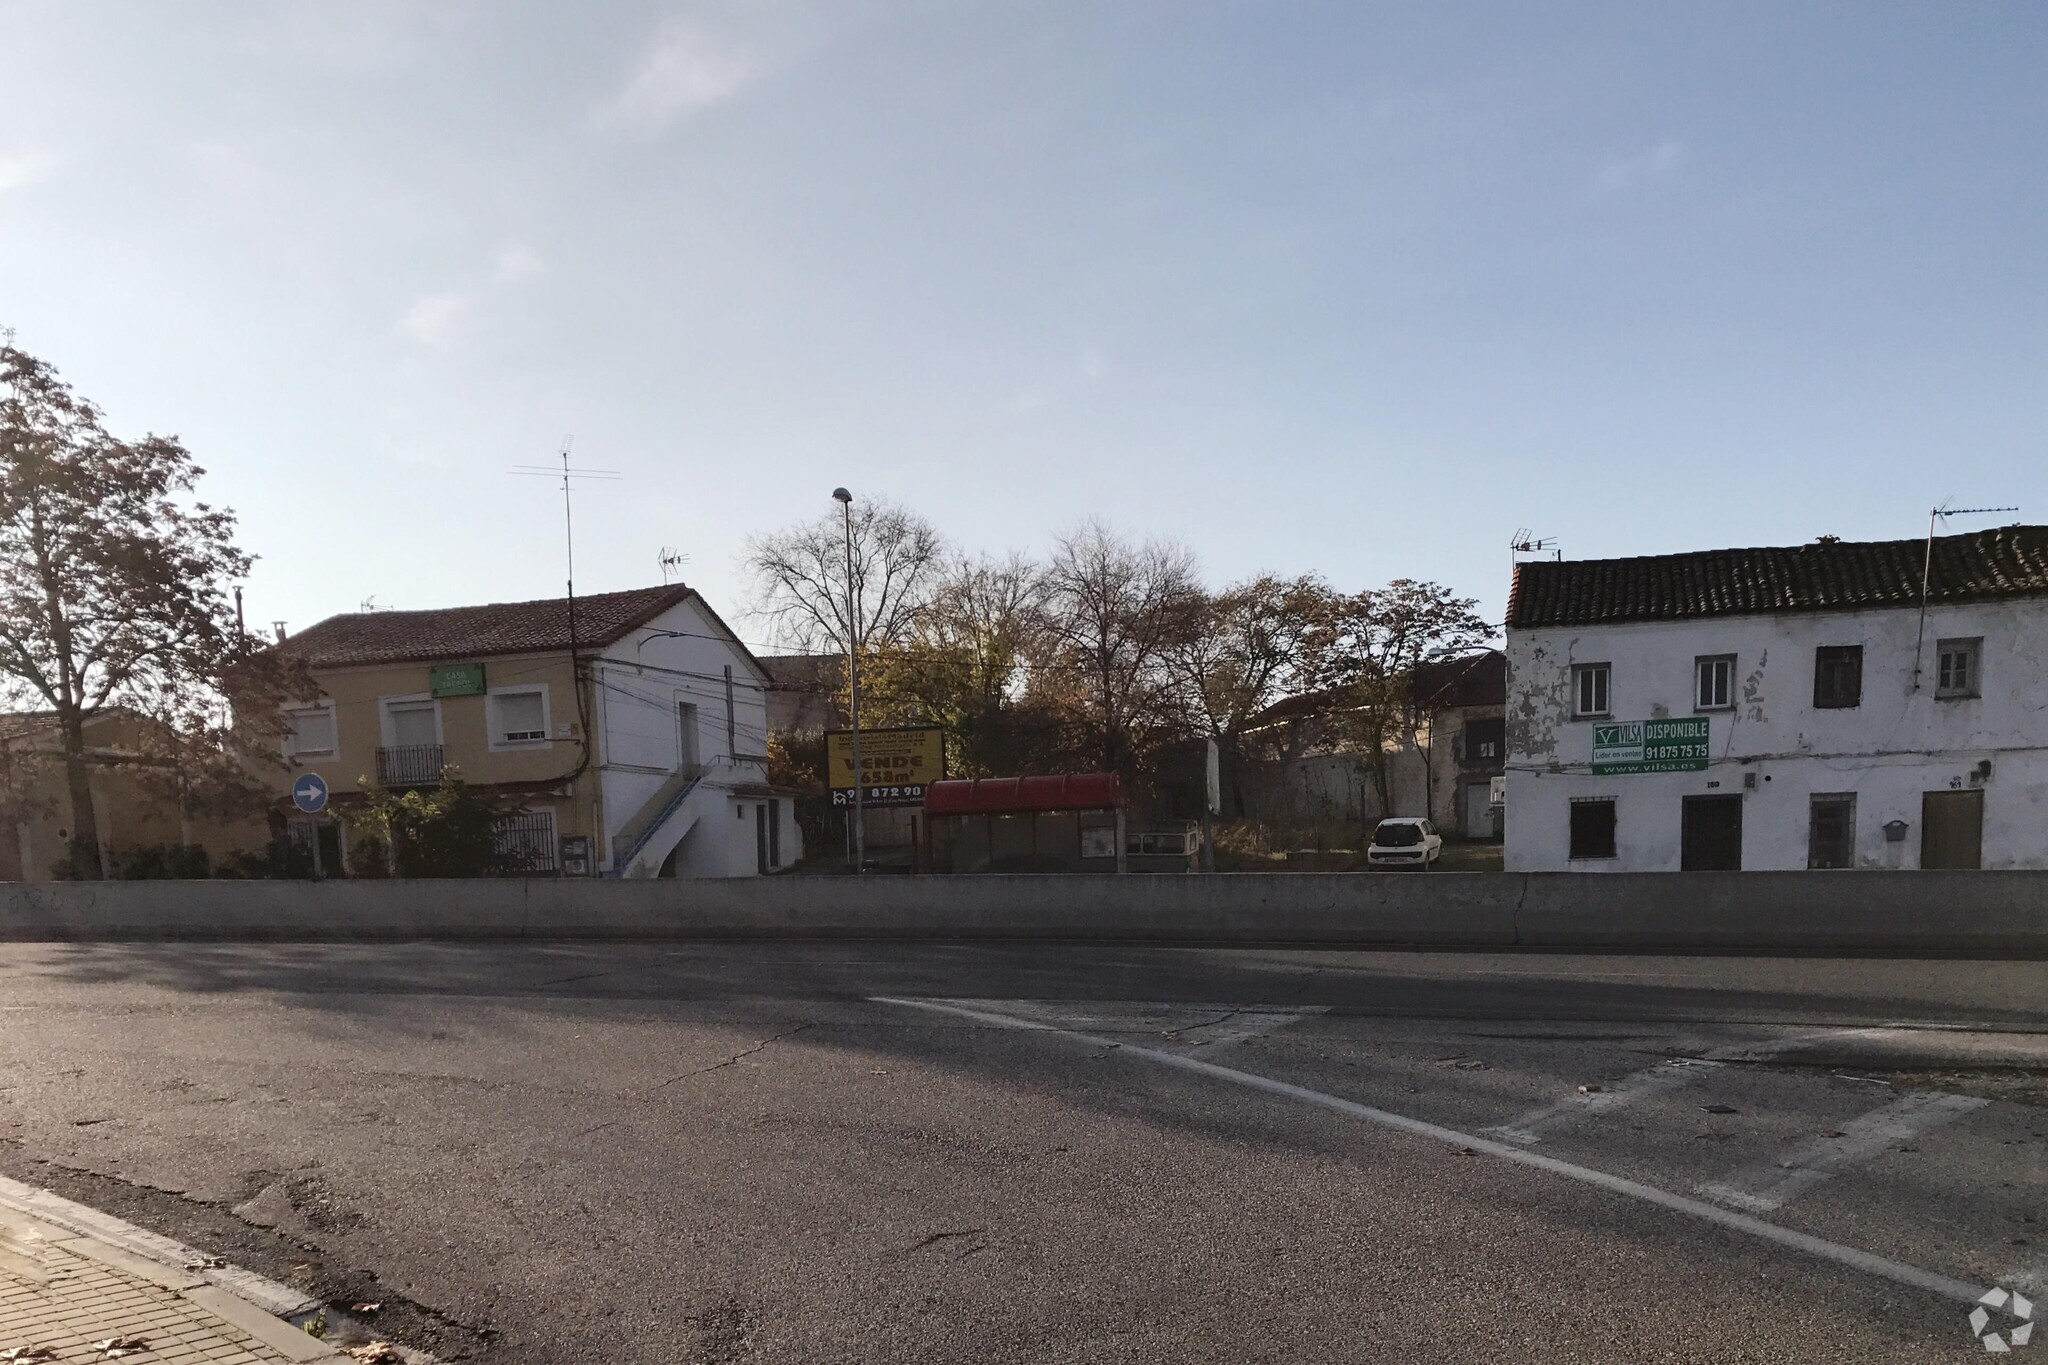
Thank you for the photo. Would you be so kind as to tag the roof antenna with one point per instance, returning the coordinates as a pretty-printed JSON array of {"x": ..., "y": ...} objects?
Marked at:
[
  {"x": 1936, "y": 514},
  {"x": 566, "y": 474},
  {"x": 1527, "y": 542},
  {"x": 672, "y": 561}
]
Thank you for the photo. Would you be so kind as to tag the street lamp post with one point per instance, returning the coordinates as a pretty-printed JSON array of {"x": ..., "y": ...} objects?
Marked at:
[{"x": 860, "y": 831}]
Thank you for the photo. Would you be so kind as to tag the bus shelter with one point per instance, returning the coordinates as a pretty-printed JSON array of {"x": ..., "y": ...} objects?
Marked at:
[{"x": 1069, "y": 823}]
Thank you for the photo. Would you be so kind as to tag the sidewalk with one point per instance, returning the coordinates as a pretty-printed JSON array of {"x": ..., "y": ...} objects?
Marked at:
[{"x": 77, "y": 1286}]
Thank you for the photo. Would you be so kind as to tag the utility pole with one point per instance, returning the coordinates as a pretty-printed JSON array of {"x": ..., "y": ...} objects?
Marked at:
[{"x": 860, "y": 831}]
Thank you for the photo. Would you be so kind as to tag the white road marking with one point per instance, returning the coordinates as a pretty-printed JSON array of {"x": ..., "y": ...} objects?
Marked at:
[
  {"x": 1665, "y": 1076},
  {"x": 1190, "y": 1030},
  {"x": 1767, "y": 1186},
  {"x": 1895, "y": 1271},
  {"x": 1528, "y": 1130}
]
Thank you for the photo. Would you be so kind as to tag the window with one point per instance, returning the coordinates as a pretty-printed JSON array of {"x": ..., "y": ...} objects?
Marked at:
[
  {"x": 1714, "y": 682},
  {"x": 1589, "y": 690},
  {"x": 1593, "y": 828},
  {"x": 1838, "y": 677},
  {"x": 411, "y": 722},
  {"x": 519, "y": 716},
  {"x": 1485, "y": 740},
  {"x": 312, "y": 729},
  {"x": 1831, "y": 830},
  {"x": 1955, "y": 667}
]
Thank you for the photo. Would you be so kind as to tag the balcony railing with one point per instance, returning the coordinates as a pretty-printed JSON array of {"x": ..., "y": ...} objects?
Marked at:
[{"x": 410, "y": 765}]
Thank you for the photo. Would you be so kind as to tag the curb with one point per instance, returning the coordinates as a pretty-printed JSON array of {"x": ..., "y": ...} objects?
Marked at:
[{"x": 273, "y": 1313}]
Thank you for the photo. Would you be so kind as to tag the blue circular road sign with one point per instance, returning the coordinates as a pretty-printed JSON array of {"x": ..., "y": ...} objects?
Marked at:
[{"x": 309, "y": 793}]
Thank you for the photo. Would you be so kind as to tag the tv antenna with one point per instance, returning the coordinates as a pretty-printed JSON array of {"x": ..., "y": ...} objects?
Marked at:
[
  {"x": 1937, "y": 515},
  {"x": 567, "y": 475},
  {"x": 1527, "y": 542},
  {"x": 672, "y": 561}
]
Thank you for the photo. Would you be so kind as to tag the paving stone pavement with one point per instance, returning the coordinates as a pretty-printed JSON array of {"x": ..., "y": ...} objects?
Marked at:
[{"x": 71, "y": 1296}]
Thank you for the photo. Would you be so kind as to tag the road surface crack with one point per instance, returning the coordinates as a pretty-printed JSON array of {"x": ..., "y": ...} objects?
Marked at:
[
  {"x": 951, "y": 1234},
  {"x": 736, "y": 1057},
  {"x": 1222, "y": 1018}
]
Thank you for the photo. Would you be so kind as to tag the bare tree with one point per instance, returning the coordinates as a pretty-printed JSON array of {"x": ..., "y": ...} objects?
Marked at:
[
  {"x": 1115, "y": 609},
  {"x": 800, "y": 577},
  {"x": 112, "y": 580}
]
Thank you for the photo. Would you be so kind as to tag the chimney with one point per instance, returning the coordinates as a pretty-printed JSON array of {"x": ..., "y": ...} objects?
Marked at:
[{"x": 278, "y": 626}]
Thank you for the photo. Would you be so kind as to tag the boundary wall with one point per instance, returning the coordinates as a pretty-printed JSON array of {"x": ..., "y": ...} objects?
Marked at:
[{"x": 1951, "y": 912}]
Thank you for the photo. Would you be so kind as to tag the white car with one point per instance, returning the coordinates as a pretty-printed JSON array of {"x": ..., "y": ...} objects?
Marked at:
[{"x": 1404, "y": 841}]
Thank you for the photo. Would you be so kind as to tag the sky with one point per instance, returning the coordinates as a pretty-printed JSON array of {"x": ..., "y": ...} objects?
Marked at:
[{"x": 1350, "y": 288}]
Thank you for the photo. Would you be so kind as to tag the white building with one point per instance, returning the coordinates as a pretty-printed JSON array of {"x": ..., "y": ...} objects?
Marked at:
[
  {"x": 1782, "y": 708},
  {"x": 632, "y": 743}
]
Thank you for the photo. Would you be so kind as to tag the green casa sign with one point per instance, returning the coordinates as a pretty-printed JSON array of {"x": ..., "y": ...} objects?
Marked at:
[
  {"x": 1678, "y": 745},
  {"x": 456, "y": 680}
]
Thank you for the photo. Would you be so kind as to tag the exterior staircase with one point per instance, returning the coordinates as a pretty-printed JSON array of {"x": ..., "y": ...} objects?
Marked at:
[{"x": 658, "y": 826}]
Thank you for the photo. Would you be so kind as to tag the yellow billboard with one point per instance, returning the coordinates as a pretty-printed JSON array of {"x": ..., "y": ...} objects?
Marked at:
[{"x": 895, "y": 764}]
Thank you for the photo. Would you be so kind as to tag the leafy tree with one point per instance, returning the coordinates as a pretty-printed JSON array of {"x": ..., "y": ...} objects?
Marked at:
[
  {"x": 450, "y": 830},
  {"x": 113, "y": 581},
  {"x": 1246, "y": 650},
  {"x": 1363, "y": 650},
  {"x": 968, "y": 663},
  {"x": 1245, "y": 653}
]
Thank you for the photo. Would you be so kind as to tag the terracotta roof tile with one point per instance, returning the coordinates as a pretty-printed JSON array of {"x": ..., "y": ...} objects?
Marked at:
[
  {"x": 391, "y": 637},
  {"x": 2010, "y": 561}
]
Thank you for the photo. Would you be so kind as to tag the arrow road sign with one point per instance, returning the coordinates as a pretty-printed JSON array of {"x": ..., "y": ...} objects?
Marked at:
[{"x": 309, "y": 793}]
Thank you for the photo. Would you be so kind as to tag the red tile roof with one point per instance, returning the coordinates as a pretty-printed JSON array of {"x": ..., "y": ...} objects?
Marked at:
[
  {"x": 392, "y": 637},
  {"x": 2010, "y": 561}
]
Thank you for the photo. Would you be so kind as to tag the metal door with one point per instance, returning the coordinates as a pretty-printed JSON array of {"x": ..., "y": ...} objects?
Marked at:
[
  {"x": 1711, "y": 834},
  {"x": 1952, "y": 829},
  {"x": 1479, "y": 811}
]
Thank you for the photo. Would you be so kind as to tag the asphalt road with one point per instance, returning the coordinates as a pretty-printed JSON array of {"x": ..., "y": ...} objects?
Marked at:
[{"x": 873, "y": 1153}]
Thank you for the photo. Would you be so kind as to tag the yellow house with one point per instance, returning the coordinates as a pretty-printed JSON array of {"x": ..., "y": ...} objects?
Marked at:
[
  {"x": 626, "y": 731},
  {"x": 132, "y": 813}
]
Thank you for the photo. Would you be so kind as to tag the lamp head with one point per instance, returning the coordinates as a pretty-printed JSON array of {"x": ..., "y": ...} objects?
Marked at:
[{"x": 841, "y": 495}]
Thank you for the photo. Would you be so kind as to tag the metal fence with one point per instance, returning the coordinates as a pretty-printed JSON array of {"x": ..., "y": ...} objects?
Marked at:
[
  {"x": 410, "y": 765},
  {"x": 528, "y": 842}
]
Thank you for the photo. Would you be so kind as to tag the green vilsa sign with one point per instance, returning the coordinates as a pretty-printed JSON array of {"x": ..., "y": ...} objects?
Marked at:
[{"x": 1678, "y": 745}]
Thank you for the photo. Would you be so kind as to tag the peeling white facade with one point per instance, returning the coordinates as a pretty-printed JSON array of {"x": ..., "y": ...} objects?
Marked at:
[{"x": 1774, "y": 749}]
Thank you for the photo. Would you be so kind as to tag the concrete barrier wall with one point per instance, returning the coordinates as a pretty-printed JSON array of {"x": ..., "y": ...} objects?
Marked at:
[{"x": 1905, "y": 911}]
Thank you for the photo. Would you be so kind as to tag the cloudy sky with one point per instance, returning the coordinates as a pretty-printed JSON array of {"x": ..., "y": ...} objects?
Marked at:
[{"x": 1358, "y": 288}]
